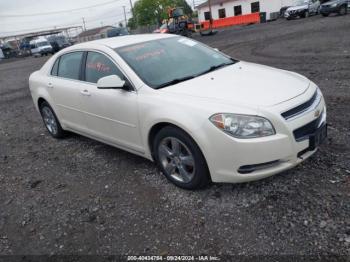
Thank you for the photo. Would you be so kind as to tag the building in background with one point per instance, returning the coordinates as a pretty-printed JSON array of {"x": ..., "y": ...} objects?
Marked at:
[
  {"x": 93, "y": 34},
  {"x": 231, "y": 8}
]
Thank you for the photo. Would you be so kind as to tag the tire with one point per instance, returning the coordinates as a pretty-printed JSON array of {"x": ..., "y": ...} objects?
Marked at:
[
  {"x": 51, "y": 121},
  {"x": 342, "y": 10},
  {"x": 180, "y": 159},
  {"x": 306, "y": 14},
  {"x": 325, "y": 15}
]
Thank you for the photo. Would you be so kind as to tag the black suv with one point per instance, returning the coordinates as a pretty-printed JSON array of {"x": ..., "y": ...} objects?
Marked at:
[{"x": 334, "y": 6}]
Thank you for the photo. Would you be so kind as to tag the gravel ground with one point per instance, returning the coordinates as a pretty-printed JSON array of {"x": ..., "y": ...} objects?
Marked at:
[{"x": 79, "y": 196}]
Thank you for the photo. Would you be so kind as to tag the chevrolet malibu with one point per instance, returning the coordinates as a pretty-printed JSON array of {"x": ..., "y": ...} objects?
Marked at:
[{"x": 201, "y": 115}]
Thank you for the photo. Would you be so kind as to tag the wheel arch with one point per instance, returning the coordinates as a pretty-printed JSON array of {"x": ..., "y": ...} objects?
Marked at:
[
  {"x": 40, "y": 101},
  {"x": 153, "y": 132},
  {"x": 156, "y": 127}
]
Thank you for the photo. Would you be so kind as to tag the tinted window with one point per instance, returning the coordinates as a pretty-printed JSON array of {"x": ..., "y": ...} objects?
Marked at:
[
  {"x": 98, "y": 66},
  {"x": 69, "y": 66},
  {"x": 54, "y": 70}
]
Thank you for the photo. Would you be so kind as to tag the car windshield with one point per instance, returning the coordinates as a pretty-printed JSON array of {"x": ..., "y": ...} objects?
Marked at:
[{"x": 163, "y": 62}]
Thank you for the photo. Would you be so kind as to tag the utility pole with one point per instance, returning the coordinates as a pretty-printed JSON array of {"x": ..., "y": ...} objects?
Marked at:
[
  {"x": 125, "y": 16},
  {"x": 133, "y": 13},
  {"x": 132, "y": 9},
  {"x": 211, "y": 17},
  {"x": 84, "y": 24}
]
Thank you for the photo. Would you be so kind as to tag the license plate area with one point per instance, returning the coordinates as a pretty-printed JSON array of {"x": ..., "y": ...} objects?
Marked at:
[{"x": 318, "y": 137}]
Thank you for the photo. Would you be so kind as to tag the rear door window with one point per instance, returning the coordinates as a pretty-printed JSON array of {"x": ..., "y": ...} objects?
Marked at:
[{"x": 69, "y": 65}]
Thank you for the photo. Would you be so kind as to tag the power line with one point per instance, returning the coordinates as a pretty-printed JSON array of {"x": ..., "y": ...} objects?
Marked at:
[
  {"x": 58, "y": 12},
  {"x": 70, "y": 24}
]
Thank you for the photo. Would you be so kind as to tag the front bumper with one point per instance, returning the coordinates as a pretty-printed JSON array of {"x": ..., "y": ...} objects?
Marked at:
[
  {"x": 294, "y": 14},
  {"x": 234, "y": 160}
]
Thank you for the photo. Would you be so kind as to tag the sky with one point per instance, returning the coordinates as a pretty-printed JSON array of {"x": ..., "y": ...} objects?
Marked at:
[{"x": 24, "y": 16}]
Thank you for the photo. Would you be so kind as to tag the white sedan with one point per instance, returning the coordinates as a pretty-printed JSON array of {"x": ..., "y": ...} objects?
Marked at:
[{"x": 199, "y": 114}]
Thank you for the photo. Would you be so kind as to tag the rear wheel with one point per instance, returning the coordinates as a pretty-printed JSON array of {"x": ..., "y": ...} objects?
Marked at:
[
  {"x": 180, "y": 159},
  {"x": 306, "y": 14},
  {"x": 50, "y": 120}
]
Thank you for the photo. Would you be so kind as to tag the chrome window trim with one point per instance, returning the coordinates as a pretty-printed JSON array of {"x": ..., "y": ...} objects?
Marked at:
[{"x": 86, "y": 82}]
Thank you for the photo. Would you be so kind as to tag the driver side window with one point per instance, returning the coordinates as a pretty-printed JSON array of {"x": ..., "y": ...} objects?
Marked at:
[{"x": 98, "y": 66}]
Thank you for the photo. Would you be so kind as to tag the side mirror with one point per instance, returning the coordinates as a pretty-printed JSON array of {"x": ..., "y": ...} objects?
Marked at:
[{"x": 111, "y": 82}]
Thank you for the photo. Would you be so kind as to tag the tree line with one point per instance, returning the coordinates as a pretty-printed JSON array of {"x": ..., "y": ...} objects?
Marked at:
[{"x": 153, "y": 12}]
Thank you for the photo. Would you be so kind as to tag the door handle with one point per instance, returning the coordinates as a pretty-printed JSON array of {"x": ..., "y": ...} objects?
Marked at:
[
  {"x": 85, "y": 92},
  {"x": 50, "y": 85}
]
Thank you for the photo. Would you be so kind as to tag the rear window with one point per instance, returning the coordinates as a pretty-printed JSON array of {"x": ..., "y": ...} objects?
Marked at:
[{"x": 69, "y": 65}]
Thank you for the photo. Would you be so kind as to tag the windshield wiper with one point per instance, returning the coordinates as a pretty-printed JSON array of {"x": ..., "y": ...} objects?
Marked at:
[
  {"x": 215, "y": 67},
  {"x": 182, "y": 79},
  {"x": 175, "y": 81}
]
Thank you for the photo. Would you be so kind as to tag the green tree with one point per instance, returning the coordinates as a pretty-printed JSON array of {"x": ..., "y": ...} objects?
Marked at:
[{"x": 150, "y": 12}]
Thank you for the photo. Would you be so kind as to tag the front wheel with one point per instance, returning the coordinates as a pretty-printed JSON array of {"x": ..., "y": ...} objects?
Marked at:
[
  {"x": 50, "y": 120},
  {"x": 180, "y": 159},
  {"x": 325, "y": 14},
  {"x": 306, "y": 14}
]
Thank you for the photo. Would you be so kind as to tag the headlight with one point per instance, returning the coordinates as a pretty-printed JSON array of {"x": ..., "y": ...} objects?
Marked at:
[
  {"x": 334, "y": 5},
  {"x": 243, "y": 126}
]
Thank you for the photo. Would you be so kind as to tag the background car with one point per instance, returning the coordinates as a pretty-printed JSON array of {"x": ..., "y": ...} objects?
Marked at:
[
  {"x": 40, "y": 47},
  {"x": 303, "y": 9},
  {"x": 58, "y": 42},
  {"x": 336, "y": 6},
  {"x": 117, "y": 32}
]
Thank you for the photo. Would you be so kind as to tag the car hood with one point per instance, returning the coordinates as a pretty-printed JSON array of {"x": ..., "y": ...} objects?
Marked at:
[
  {"x": 244, "y": 84},
  {"x": 298, "y": 7}
]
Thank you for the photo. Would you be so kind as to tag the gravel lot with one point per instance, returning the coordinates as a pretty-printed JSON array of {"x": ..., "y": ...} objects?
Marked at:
[{"x": 79, "y": 196}]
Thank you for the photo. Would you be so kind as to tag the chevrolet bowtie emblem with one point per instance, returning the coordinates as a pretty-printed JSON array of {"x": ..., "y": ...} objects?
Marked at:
[{"x": 317, "y": 113}]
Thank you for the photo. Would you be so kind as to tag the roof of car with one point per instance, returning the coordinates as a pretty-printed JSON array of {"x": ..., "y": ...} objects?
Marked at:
[{"x": 115, "y": 42}]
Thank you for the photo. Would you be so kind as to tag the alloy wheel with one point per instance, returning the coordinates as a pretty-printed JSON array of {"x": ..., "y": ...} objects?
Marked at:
[
  {"x": 176, "y": 159},
  {"x": 49, "y": 120}
]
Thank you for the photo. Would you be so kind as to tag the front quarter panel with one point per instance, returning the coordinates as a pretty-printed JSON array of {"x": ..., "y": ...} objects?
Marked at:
[{"x": 188, "y": 113}]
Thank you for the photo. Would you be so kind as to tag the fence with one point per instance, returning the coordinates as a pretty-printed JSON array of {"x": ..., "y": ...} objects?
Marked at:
[
  {"x": 144, "y": 29},
  {"x": 233, "y": 20}
]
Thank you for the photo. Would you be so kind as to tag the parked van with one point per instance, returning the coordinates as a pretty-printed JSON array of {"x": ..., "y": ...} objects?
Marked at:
[{"x": 40, "y": 47}]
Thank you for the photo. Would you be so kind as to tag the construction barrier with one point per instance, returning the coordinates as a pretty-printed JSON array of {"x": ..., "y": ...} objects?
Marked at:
[{"x": 233, "y": 20}]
